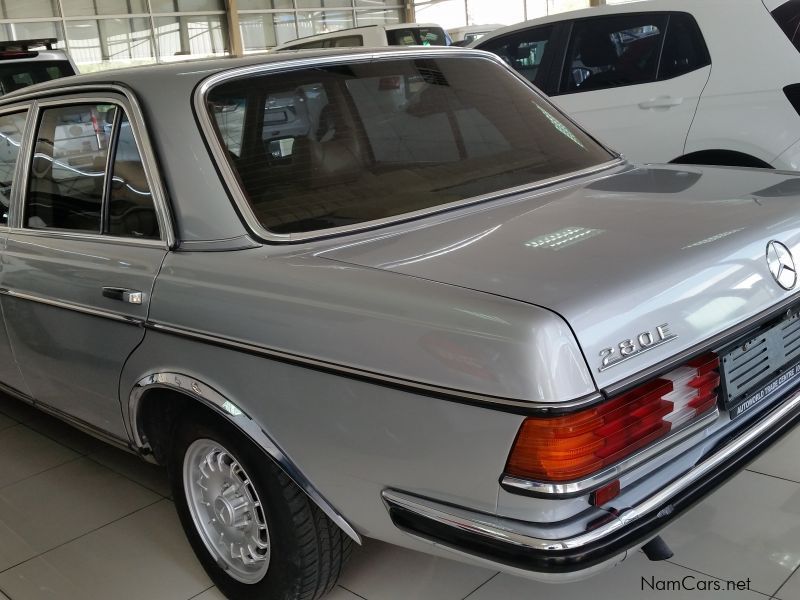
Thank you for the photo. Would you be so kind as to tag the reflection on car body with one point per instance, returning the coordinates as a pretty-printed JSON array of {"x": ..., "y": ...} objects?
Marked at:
[{"x": 392, "y": 293}]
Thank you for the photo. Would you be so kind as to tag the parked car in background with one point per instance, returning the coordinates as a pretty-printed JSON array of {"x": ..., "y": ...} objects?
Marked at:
[
  {"x": 462, "y": 36},
  {"x": 441, "y": 316},
  {"x": 712, "y": 82},
  {"x": 25, "y": 62},
  {"x": 400, "y": 34}
]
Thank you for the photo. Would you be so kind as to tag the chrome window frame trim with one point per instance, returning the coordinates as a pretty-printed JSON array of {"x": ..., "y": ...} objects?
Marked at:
[
  {"x": 522, "y": 407},
  {"x": 499, "y": 528},
  {"x": 18, "y": 167},
  {"x": 239, "y": 196},
  {"x": 210, "y": 397},
  {"x": 95, "y": 312},
  {"x": 580, "y": 487},
  {"x": 127, "y": 101}
]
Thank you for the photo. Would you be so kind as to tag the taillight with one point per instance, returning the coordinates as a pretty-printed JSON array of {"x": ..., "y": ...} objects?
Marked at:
[{"x": 573, "y": 446}]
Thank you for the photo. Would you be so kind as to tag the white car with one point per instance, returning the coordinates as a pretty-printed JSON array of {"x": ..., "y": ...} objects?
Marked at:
[
  {"x": 374, "y": 36},
  {"x": 711, "y": 82},
  {"x": 463, "y": 36}
]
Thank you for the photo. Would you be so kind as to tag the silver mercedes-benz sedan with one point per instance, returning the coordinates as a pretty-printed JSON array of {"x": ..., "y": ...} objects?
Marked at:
[{"x": 393, "y": 294}]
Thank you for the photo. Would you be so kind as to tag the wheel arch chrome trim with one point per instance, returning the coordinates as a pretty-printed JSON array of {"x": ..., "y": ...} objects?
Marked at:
[{"x": 208, "y": 396}]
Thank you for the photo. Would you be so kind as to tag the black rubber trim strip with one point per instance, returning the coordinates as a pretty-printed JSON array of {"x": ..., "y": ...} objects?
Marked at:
[
  {"x": 568, "y": 561},
  {"x": 497, "y": 403}
]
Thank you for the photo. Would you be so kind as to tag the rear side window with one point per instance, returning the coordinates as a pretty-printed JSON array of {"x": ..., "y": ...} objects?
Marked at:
[
  {"x": 524, "y": 52},
  {"x": 684, "y": 48},
  {"x": 86, "y": 174},
  {"x": 613, "y": 51},
  {"x": 68, "y": 169},
  {"x": 11, "y": 128},
  {"x": 787, "y": 16},
  {"x": 417, "y": 36},
  {"x": 17, "y": 75},
  {"x": 342, "y": 145}
]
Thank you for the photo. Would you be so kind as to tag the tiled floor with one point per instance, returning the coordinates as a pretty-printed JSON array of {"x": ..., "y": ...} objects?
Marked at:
[{"x": 82, "y": 521}]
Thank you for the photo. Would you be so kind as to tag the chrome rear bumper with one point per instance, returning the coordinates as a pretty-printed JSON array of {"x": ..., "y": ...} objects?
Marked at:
[{"x": 514, "y": 545}]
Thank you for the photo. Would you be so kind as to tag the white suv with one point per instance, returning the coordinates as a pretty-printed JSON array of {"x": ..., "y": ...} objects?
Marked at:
[{"x": 711, "y": 82}]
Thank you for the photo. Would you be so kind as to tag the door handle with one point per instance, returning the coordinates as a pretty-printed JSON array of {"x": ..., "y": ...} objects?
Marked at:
[
  {"x": 124, "y": 295},
  {"x": 661, "y": 102}
]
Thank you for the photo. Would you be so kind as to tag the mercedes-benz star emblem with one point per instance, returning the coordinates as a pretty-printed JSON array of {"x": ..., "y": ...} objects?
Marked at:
[{"x": 781, "y": 265}]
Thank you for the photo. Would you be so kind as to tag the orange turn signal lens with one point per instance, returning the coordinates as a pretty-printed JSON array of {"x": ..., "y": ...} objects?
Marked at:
[{"x": 579, "y": 444}]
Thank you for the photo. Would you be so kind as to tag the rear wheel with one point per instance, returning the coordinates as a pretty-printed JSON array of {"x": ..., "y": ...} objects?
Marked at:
[{"x": 254, "y": 531}]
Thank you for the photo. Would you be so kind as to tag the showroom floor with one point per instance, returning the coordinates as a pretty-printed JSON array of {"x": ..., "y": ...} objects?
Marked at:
[{"x": 82, "y": 521}]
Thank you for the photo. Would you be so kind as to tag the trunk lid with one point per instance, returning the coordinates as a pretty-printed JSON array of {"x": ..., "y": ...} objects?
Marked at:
[{"x": 683, "y": 249}]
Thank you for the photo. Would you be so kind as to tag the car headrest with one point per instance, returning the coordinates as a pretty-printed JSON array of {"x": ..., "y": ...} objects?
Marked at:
[{"x": 597, "y": 49}]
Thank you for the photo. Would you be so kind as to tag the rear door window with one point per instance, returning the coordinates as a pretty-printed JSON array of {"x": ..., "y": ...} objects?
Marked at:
[
  {"x": 68, "y": 169},
  {"x": 787, "y": 16},
  {"x": 609, "y": 52},
  {"x": 684, "y": 48},
  {"x": 417, "y": 36},
  {"x": 11, "y": 129},
  {"x": 525, "y": 52},
  {"x": 87, "y": 175}
]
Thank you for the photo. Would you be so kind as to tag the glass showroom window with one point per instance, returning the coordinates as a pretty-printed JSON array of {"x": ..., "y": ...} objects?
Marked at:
[
  {"x": 387, "y": 16},
  {"x": 89, "y": 8},
  {"x": 262, "y": 31},
  {"x": 28, "y": 31},
  {"x": 312, "y": 23},
  {"x": 195, "y": 35},
  {"x": 268, "y": 23},
  {"x": 29, "y": 9},
  {"x": 110, "y": 42},
  {"x": 169, "y": 6}
]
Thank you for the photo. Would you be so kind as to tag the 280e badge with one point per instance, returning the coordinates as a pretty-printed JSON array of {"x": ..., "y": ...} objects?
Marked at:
[{"x": 647, "y": 340}]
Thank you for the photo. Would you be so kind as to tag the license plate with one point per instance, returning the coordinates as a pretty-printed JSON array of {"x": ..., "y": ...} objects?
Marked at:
[
  {"x": 761, "y": 367},
  {"x": 783, "y": 381}
]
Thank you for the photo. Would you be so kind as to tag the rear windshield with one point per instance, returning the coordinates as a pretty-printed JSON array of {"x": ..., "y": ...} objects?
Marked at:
[
  {"x": 417, "y": 36},
  {"x": 17, "y": 75},
  {"x": 787, "y": 16},
  {"x": 335, "y": 146}
]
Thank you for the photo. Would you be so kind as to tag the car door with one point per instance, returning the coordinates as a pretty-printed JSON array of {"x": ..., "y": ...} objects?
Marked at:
[
  {"x": 86, "y": 243},
  {"x": 634, "y": 81},
  {"x": 12, "y": 127}
]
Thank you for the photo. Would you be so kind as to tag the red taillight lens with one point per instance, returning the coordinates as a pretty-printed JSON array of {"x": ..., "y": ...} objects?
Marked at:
[{"x": 570, "y": 447}]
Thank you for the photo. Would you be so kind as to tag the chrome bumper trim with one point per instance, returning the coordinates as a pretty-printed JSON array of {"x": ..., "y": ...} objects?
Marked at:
[{"x": 509, "y": 532}]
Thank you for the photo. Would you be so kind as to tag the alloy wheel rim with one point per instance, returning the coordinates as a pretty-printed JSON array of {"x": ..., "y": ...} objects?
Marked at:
[{"x": 226, "y": 510}]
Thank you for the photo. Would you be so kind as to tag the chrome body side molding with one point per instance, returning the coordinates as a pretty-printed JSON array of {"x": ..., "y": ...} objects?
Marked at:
[
  {"x": 211, "y": 398},
  {"x": 104, "y": 314},
  {"x": 495, "y": 402}
]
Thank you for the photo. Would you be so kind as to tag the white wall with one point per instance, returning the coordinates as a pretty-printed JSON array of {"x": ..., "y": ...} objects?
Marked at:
[{"x": 457, "y": 13}]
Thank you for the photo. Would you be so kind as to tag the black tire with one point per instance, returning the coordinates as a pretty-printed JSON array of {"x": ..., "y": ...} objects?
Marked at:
[{"x": 308, "y": 551}]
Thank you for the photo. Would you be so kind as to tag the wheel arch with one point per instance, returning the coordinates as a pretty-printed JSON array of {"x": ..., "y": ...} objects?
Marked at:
[
  {"x": 721, "y": 157},
  {"x": 159, "y": 398}
]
